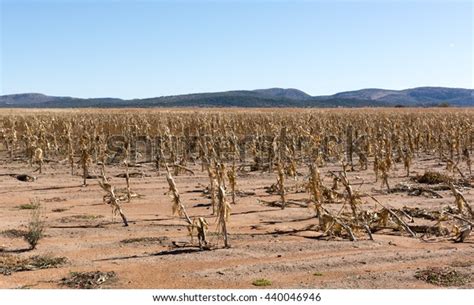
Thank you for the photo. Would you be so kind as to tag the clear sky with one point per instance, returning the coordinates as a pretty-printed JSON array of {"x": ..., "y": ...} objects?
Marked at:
[{"x": 134, "y": 49}]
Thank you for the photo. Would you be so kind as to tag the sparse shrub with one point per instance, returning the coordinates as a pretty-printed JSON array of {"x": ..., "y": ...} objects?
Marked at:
[{"x": 35, "y": 230}]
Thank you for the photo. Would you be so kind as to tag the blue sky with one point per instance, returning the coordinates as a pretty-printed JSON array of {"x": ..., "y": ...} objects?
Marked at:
[{"x": 134, "y": 49}]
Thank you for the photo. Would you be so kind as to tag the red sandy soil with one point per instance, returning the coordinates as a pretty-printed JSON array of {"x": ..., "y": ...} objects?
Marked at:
[{"x": 266, "y": 242}]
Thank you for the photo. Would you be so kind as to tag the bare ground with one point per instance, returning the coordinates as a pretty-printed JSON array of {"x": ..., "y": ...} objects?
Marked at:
[{"x": 266, "y": 242}]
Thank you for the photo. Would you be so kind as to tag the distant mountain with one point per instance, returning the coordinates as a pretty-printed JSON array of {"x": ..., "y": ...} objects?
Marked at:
[
  {"x": 26, "y": 98},
  {"x": 422, "y": 96},
  {"x": 293, "y": 94},
  {"x": 274, "y": 97},
  {"x": 368, "y": 94}
]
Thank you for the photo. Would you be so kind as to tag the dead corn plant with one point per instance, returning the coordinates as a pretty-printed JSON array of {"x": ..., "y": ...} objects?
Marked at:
[
  {"x": 460, "y": 201},
  {"x": 127, "y": 176},
  {"x": 212, "y": 173},
  {"x": 467, "y": 159},
  {"x": 314, "y": 186},
  {"x": 232, "y": 177},
  {"x": 85, "y": 163},
  {"x": 407, "y": 160},
  {"x": 223, "y": 208},
  {"x": 198, "y": 224},
  {"x": 281, "y": 184},
  {"x": 38, "y": 159},
  {"x": 112, "y": 199}
]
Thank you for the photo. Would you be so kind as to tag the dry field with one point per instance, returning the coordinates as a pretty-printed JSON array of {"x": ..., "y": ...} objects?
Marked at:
[{"x": 236, "y": 198}]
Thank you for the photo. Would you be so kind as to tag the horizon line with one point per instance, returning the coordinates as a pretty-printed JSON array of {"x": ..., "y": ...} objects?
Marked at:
[{"x": 233, "y": 90}]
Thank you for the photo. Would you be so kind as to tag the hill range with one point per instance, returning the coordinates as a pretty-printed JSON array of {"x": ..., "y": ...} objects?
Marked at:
[{"x": 274, "y": 97}]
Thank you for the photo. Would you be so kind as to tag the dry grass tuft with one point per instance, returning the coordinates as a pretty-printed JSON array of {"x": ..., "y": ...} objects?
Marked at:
[
  {"x": 145, "y": 240},
  {"x": 462, "y": 264},
  {"x": 431, "y": 177},
  {"x": 13, "y": 233},
  {"x": 262, "y": 282},
  {"x": 86, "y": 217},
  {"x": 79, "y": 218},
  {"x": 10, "y": 263},
  {"x": 443, "y": 276},
  {"x": 28, "y": 206},
  {"x": 87, "y": 280}
]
